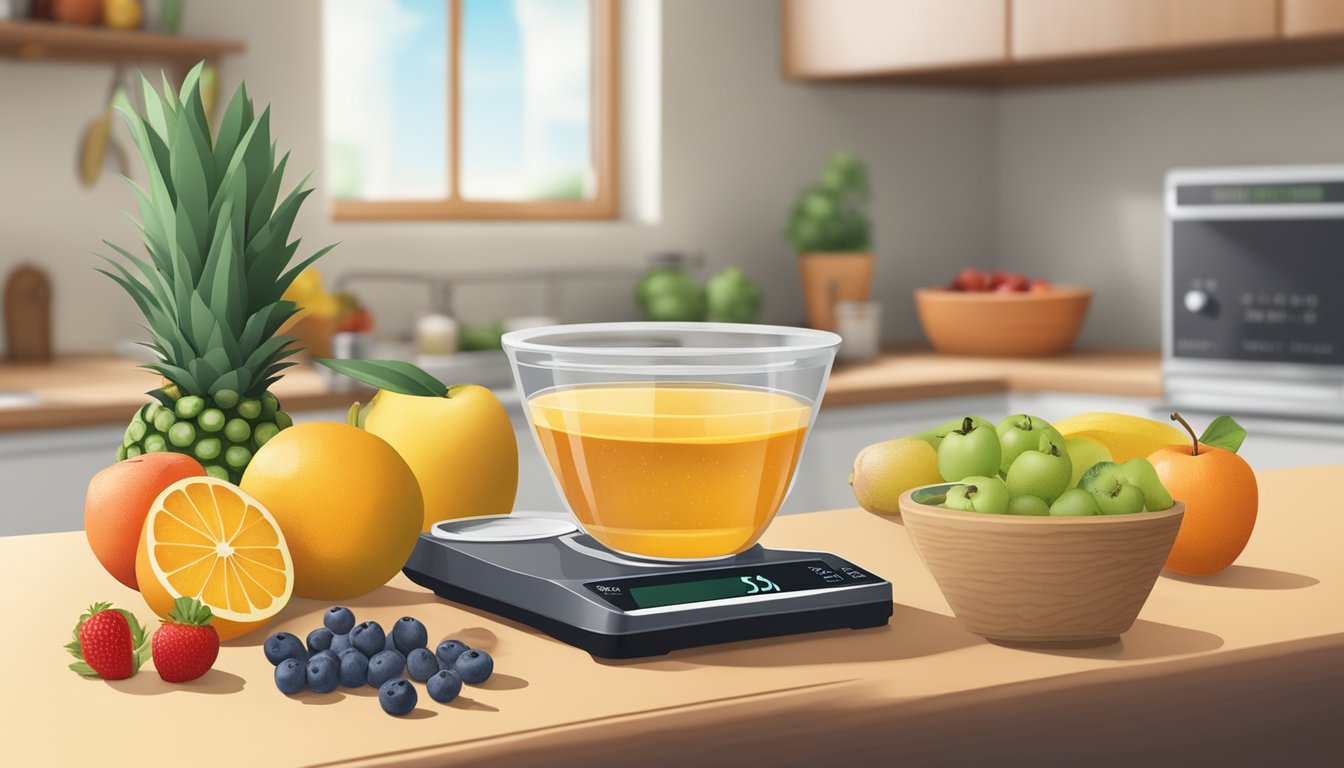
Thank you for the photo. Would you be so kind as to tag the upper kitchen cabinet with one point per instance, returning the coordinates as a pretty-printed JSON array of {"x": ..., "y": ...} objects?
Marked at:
[
  {"x": 1005, "y": 43},
  {"x": 863, "y": 38},
  {"x": 1305, "y": 18},
  {"x": 1049, "y": 28}
]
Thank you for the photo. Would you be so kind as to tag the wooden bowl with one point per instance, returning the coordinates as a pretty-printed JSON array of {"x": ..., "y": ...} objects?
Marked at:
[
  {"x": 1041, "y": 580},
  {"x": 1002, "y": 324}
]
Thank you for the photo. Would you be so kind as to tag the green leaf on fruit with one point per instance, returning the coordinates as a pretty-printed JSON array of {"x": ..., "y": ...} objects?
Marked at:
[
  {"x": 393, "y": 375},
  {"x": 82, "y": 669},
  {"x": 1224, "y": 432}
]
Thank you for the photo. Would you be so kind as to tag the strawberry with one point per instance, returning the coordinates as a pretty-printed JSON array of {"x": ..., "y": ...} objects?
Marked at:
[
  {"x": 185, "y": 645},
  {"x": 108, "y": 642}
]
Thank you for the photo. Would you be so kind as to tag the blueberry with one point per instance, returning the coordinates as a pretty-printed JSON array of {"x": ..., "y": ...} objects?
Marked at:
[
  {"x": 368, "y": 638},
  {"x": 324, "y": 671},
  {"x": 448, "y": 651},
  {"x": 338, "y": 619},
  {"x": 389, "y": 644},
  {"x": 319, "y": 640},
  {"x": 354, "y": 669},
  {"x": 330, "y": 654},
  {"x": 340, "y": 644},
  {"x": 474, "y": 666},
  {"x": 444, "y": 686},
  {"x": 409, "y": 634},
  {"x": 291, "y": 676},
  {"x": 283, "y": 645},
  {"x": 384, "y": 666},
  {"x": 397, "y": 697},
  {"x": 421, "y": 664}
]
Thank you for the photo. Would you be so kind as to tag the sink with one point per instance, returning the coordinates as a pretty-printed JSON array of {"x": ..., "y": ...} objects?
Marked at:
[{"x": 10, "y": 398}]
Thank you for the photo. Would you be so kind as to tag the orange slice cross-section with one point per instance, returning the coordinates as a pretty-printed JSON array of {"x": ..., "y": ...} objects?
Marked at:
[{"x": 207, "y": 539}]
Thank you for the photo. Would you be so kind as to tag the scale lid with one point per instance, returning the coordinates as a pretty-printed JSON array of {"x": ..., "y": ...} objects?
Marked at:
[{"x": 519, "y": 526}]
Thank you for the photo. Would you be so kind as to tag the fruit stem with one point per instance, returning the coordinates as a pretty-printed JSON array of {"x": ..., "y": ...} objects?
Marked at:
[
  {"x": 972, "y": 490},
  {"x": 1193, "y": 440},
  {"x": 967, "y": 425},
  {"x": 352, "y": 415}
]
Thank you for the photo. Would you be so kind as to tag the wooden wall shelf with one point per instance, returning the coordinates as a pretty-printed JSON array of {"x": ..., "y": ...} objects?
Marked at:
[{"x": 50, "y": 41}]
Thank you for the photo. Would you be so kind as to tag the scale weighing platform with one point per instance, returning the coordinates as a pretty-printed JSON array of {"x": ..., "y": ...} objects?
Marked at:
[{"x": 542, "y": 571}]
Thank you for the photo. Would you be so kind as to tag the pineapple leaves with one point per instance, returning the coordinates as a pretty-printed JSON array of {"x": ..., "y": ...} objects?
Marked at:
[
  {"x": 394, "y": 375},
  {"x": 218, "y": 237}
]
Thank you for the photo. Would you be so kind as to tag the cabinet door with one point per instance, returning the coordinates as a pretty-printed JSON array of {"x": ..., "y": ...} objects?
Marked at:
[
  {"x": 1048, "y": 28},
  {"x": 1303, "y": 18},
  {"x": 838, "y": 38}
]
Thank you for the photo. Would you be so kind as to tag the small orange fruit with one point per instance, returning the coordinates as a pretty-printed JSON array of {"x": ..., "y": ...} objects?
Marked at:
[
  {"x": 204, "y": 538},
  {"x": 118, "y": 499},
  {"x": 1221, "y": 501}
]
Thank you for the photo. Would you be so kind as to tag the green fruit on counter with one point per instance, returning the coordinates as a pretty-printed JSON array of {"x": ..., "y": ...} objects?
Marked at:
[
  {"x": 670, "y": 295},
  {"x": 970, "y": 450},
  {"x": 1084, "y": 454},
  {"x": 1142, "y": 475},
  {"x": 1021, "y": 432},
  {"x": 1111, "y": 489},
  {"x": 732, "y": 298},
  {"x": 1042, "y": 472},
  {"x": 883, "y": 471},
  {"x": 979, "y": 494},
  {"x": 1028, "y": 505},
  {"x": 1074, "y": 502}
]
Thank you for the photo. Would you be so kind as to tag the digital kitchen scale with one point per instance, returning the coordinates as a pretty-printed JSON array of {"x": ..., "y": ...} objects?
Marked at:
[{"x": 542, "y": 571}]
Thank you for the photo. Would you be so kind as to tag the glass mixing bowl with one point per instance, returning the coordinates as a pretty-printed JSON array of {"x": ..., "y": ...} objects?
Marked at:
[{"x": 672, "y": 441}]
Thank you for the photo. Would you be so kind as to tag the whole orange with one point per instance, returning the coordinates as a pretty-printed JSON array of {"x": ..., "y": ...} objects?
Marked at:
[
  {"x": 1221, "y": 500},
  {"x": 117, "y": 501}
]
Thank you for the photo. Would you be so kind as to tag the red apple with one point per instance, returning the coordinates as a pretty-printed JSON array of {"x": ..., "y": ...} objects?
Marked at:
[
  {"x": 971, "y": 279},
  {"x": 1015, "y": 281}
]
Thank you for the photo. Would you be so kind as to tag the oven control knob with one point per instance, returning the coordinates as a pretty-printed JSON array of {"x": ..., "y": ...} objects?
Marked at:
[{"x": 1197, "y": 301}]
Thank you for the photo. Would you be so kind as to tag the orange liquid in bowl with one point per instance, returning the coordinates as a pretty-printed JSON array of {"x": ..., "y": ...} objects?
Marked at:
[{"x": 678, "y": 471}]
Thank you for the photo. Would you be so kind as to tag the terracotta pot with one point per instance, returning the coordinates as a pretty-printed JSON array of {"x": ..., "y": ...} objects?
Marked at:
[{"x": 832, "y": 277}]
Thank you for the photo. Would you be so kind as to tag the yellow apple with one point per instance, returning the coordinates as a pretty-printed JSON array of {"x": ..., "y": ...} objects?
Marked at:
[{"x": 461, "y": 448}]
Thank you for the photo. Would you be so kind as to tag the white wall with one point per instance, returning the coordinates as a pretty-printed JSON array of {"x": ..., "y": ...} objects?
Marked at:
[
  {"x": 737, "y": 143},
  {"x": 1079, "y": 174}
]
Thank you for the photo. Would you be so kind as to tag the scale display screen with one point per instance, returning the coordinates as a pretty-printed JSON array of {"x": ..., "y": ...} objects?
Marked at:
[
  {"x": 683, "y": 588},
  {"x": 1260, "y": 194}
]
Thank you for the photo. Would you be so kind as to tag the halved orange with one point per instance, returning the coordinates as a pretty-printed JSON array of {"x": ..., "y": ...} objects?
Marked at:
[{"x": 206, "y": 538}]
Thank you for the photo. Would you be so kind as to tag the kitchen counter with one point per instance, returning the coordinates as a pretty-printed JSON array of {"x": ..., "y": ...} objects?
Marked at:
[
  {"x": 1242, "y": 668},
  {"x": 94, "y": 390},
  {"x": 103, "y": 390}
]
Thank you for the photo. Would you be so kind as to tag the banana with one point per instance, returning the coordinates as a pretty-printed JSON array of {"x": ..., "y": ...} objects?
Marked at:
[{"x": 1125, "y": 436}]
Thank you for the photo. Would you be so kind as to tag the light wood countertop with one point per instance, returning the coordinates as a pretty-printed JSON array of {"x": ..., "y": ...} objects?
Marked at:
[
  {"x": 1242, "y": 668},
  {"x": 81, "y": 391}
]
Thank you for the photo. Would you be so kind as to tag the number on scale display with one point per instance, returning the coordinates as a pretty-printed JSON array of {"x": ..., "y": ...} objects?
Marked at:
[{"x": 655, "y": 596}]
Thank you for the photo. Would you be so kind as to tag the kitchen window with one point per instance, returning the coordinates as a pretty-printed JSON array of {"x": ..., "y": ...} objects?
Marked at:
[{"x": 470, "y": 109}]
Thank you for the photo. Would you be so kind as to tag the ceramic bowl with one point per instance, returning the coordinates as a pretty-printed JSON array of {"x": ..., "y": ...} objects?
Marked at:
[
  {"x": 1002, "y": 324},
  {"x": 1040, "y": 580}
]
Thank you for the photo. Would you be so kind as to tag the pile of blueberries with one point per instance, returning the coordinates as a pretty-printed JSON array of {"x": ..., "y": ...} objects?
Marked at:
[{"x": 342, "y": 652}]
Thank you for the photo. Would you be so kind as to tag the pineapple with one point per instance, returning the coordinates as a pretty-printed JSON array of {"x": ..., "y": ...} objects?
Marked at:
[{"x": 211, "y": 291}]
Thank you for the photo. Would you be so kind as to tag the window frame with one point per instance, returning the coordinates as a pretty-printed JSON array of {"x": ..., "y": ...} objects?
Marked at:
[{"x": 604, "y": 135}]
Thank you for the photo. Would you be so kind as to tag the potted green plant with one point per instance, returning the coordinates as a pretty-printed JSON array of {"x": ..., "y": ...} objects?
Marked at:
[{"x": 831, "y": 234}]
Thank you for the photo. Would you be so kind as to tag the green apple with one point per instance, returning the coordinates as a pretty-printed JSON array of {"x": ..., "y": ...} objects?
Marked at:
[
  {"x": 935, "y": 436},
  {"x": 1043, "y": 472},
  {"x": 1111, "y": 489},
  {"x": 1027, "y": 505},
  {"x": 979, "y": 494},
  {"x": 970, "y": 450},
  {"x": 1021, "y": 432},
  {"x": 1084, "y": 454},
  {"x": 1074, "y": 502},
  {"x": 1141, "y": 474}
]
